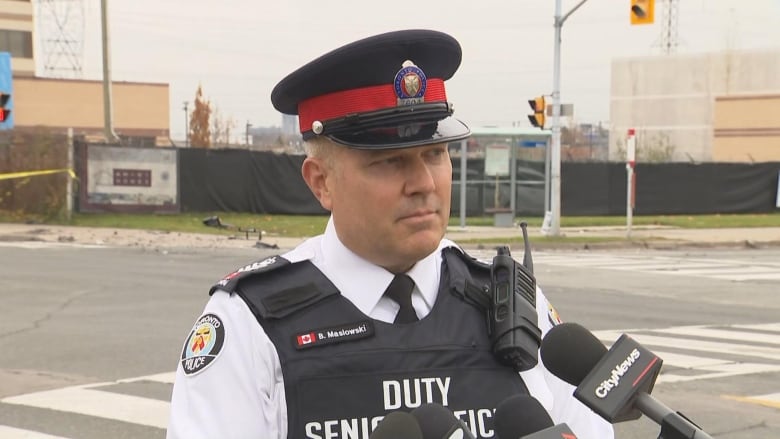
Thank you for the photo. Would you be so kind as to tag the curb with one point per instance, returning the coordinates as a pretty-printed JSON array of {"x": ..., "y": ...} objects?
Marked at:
[{"x": 653, "y": 244}]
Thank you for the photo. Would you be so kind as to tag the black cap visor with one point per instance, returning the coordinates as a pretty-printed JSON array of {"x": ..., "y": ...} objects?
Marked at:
[{"x": 406, "y": 135}]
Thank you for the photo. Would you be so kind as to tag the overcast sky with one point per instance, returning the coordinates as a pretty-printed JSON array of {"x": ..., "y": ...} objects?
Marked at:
[{"x": 239, "y": 49}]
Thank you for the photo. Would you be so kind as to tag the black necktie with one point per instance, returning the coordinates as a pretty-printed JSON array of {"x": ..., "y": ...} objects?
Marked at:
[{"x": 400, "y": 290}]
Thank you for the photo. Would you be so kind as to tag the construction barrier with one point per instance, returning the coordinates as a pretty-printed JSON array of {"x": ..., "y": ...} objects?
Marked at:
[{"x": 24, "y": 174}]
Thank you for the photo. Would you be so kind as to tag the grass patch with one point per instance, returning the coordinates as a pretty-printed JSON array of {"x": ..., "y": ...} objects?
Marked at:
[{"x": 309, "y": 225}]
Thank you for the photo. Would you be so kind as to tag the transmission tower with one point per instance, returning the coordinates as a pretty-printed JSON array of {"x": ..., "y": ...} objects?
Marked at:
[
  {"x": 61, "y": 34},
  {"x": 668, "y": 40}
]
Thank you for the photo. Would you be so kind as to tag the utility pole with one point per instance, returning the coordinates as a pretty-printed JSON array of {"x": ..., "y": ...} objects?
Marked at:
[
  {"x": 555, "y": 153},
  {"x": 186, "y": 125},
  {"x": 108, "y": 123},
  {"x": 248, "y": 125}
]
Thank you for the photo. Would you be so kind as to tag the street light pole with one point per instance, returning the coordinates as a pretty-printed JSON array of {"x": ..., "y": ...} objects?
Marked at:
[
  {"x": 186, "y": 125},
  {"x": 555, "y": 156},
  {"x": 108, "y": 116},
  {"x": 248, "y": 125}
]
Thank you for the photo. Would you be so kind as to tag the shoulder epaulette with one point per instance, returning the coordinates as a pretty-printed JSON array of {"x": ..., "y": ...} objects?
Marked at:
[
  {"x": 229, "y": 282},
  {"x": 275, "y": 287},
  {"x": 471, "y": 282}
]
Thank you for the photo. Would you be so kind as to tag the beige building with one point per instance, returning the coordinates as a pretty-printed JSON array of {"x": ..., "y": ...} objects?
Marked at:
[
  {"x": 747, "y": 126},
  {"x": 140, "y": 110},
  {"x": 16, "y": 35},
  {"x": 719, "y": 107}
]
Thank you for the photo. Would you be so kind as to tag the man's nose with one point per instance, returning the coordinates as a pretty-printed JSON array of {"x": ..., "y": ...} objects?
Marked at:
[{"x": 419, "y": 177}]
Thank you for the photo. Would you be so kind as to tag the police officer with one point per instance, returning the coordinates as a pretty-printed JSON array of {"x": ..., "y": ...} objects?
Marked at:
[{"x": 370, "y": 317}]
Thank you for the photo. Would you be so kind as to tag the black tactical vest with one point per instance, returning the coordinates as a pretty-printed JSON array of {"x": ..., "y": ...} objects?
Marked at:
[{"x": 344, "y": 371}]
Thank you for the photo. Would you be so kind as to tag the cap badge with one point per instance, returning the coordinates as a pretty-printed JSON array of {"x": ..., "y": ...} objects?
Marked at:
[{"x": 410, "y": 83}]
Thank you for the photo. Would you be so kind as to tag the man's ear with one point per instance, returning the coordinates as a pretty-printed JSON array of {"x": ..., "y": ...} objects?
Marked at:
[{"x": 316, "y": 174}]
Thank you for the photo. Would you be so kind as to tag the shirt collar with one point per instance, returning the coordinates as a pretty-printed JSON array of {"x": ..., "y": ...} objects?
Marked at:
[{"x": 363, "y": 283}]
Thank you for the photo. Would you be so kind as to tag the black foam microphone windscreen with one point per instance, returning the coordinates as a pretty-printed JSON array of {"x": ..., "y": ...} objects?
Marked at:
[
  {"x": 570, "y": 352},
  {"x": 520, "y": 415},
  {"x": 397, "y": 425},
  {"x": 438, "y": 422}
]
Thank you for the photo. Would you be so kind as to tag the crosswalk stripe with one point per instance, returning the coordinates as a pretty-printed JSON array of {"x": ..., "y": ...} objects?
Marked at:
[
  {"x": 760, "y": 327},
  {"x": 697, "y": 345},
  {"x": 662, "y": 266},
  {"x": 724, "y": 270},
  {"x": 17, "y": 433},
  {"x": 690, "y": 361},
  {"x": 165, "y": 378},
  {"x": 700, "y": 331},
  {"x": 719, "y": 371},
  {"x": 707, "y": 367},
  {"x": 751, "y": 276},
  {"x": 103, "y": 404},
  {"x": 732, "y": 270},
  {"x": 577, "y": 262}
]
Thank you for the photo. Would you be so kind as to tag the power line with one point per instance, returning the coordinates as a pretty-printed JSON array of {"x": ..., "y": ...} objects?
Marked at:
[
  {"x": 669, "y": 35},
  {"x": 62, "y": 37}
]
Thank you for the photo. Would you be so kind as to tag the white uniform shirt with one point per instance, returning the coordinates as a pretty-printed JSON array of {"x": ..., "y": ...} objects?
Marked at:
[{"x": 241, "y": 393}]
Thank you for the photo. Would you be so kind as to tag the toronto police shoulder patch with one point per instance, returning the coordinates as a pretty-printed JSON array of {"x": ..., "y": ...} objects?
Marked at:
[
  {"x": 203, "y": 345},
  {"x": 552, "y": 315}
]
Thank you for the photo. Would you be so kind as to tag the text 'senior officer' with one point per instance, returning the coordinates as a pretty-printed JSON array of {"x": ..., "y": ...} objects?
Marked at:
[{"x": 323, "y": 341}]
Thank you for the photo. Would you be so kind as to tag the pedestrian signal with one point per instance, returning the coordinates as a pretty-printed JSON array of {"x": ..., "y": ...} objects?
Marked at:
[
  {"x": 5, "y": 110},
  {"x": 642, "y": 11},
  {"x": 538, "y": 105}
]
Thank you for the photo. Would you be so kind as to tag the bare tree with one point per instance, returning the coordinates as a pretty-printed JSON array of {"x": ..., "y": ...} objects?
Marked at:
[
  {"x": 217, "y": 127},
  {"x": 653, "y": 148},
  {"x": 221, "y": 129}
]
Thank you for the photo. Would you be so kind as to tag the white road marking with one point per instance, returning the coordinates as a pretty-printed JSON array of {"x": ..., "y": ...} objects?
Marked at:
[
  {"x": 17, "y": 433},
  {"x": 102, "y": 404}
]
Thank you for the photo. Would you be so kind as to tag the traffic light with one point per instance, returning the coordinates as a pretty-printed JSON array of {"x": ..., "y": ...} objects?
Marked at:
[
  {"x": 6, "y": 87},
  {"x": 538, "y": 105},
  {"x": 642, "y": 11},
  {"x": 5, "y": 108}
]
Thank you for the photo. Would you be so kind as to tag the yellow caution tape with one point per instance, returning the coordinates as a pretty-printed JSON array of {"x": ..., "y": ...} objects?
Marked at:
[{"x": 34, "y": 173}]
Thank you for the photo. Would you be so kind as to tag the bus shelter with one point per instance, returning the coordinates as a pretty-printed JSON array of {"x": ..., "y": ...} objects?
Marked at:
[{"x": 501, "y": 171}]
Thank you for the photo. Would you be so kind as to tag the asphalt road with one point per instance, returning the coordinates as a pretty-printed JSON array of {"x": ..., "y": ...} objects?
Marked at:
[{"x": 90, "y": 336}]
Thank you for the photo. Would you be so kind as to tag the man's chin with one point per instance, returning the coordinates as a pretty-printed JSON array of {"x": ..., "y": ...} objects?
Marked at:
[
  {"x": 425, "y": 241},
  {"x": 411, "y": 249}
]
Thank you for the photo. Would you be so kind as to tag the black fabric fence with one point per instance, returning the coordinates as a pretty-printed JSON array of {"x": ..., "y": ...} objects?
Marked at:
[
  {"x": 227, "y": 180},
  {"x": 264, "y": 182},
  {"x": 670, "y": 188}
]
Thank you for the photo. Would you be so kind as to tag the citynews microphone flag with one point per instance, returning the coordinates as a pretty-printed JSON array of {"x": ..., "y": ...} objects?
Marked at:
[
  {"x": 627, "y": 369},
  {"x": 560, "y": 431}
]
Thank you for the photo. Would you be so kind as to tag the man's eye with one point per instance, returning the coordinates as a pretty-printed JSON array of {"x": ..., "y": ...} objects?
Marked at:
[
  {"x": 436, "y": 152},
  {"x": 389, "y": 161}
]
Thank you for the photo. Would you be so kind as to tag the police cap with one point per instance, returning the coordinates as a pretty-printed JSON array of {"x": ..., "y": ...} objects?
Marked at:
[{"x": 381, "y": 92}]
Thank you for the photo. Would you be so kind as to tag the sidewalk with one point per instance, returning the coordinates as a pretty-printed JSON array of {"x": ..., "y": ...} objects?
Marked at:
[
  {"x": 657, "y": 237},
  {"x": 641, "y": 236}
]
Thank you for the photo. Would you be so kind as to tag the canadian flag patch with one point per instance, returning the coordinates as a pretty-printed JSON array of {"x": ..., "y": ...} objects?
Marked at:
[{"x": 305, "y": 339}]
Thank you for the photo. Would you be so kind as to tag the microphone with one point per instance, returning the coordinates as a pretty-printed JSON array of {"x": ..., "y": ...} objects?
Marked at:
[
  {"x": 614, "y": 383},
  {"x": 397, "y": 425},
  {"x": 438, "y": 422},
  {"x": 522, "y": 417}
]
